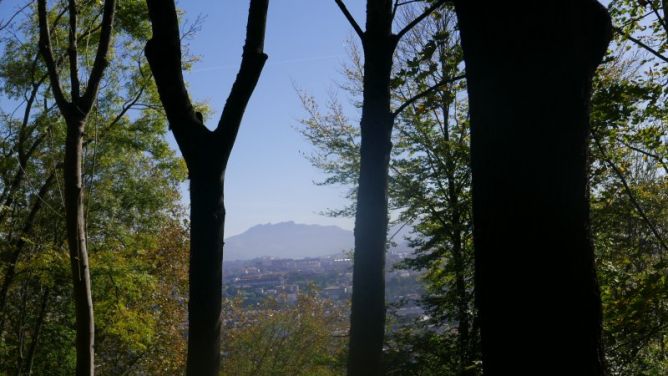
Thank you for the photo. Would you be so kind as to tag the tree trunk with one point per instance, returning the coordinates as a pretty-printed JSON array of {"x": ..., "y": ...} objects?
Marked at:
[
  {"x": 367, "y": 320},
  {"x": 455, "y": 234},
  {"x": 76, "y": 239},
  {"x": 37, "y": 331},
  {"x": 206, "y": 154},
  {"x": 529, "y": 68},
  {"x": 207, "y": 213}
]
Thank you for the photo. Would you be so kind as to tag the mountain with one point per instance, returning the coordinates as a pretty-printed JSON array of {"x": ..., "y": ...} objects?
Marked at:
[
  {"x": 288, "y": 240},
  {"x": 295, "y": 241}
]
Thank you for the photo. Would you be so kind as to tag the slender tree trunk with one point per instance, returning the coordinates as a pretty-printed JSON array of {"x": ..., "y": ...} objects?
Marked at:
[
  {"x": 529, "y": 68},
  {"x": 367, "y": 320},
  {"x": 455, "y": 234},
  {"x": 76, "y": 238},
  {"x": 207, "y": 213},
  {"x": 37, "y": 331}
]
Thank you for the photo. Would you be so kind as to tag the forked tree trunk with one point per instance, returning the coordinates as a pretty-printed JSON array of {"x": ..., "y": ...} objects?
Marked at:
[
  {"x": 529, "y": 67},
  {"x": 206, "y": 154},
  {"x": 75, "y": 111}
]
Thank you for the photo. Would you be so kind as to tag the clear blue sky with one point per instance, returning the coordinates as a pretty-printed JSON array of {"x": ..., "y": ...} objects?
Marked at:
[{"x": 268, "y": 179}]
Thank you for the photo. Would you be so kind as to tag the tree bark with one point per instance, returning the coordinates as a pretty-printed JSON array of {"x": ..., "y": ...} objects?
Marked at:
[
  {"x": 367, "y": 319},
  {"x": 207, "y": 214},
  {"x": 75, "y": 111},
  {"x": 529, "y": 68},
  {"x": 76, "y": 239}
]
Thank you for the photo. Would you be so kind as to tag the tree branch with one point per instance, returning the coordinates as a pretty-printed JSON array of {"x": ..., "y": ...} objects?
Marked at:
[
  {"x": 163, "y": 52},
  {"x": 72, "y": 51},
  {"x": 16, "y": 13},
  {"x": 252, "y": 62},
  {"x": 437, "y": 4},
  {"x": 425, "y": 93},
  {"x": 657, "y": 157},
  {"x": 661, "y": 20},
  {"x": 630, "y": 194},
  {"x": 47, "y": 53},
  {"x": 641, "y": 44},
  {"x": 100, "y": 62},
  {"x": 350, "y": 18}
]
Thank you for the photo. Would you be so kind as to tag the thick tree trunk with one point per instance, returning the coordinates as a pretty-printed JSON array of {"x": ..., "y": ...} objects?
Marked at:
[
  {"x": 207, "y": 213},
  {"x": 529, "y": 68},
  {"x": 76, "y": 239},
  {"x": 367, "y": 320}
]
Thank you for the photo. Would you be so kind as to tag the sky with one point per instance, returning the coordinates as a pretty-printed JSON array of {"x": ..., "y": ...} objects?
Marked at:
[{"x": 268, "y": 179}]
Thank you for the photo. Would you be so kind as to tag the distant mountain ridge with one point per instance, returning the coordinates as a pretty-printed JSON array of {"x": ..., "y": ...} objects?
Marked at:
[{"x": 288, "y": 240}]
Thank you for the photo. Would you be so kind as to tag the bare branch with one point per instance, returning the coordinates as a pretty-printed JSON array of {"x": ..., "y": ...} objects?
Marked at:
[
  {"x": 425, "y": 93},
  {"x": 656, "y": 157},
  {"x": 101, "y": 61},
  {"x": 398, "y": 3},
  {"x": 641, "y": 44},
  {"x": 47, "y": 54},
  {"x": 630, "y": 194},
  {"x": 350, "y": 18},
  {"x": 11, "y": 18},
  {"x": 252, "y": 62},
  {"x": 418, "y": 19},
  {"x": 129, "y": 103}
]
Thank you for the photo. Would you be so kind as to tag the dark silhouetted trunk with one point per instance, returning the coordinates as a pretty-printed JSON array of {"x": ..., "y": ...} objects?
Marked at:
[
  {"x": 367, "y": 318},
  {"x": 206, "y": 154},
  {"x": 207, "y": 215},
  {"x": 529, "y": 68}
]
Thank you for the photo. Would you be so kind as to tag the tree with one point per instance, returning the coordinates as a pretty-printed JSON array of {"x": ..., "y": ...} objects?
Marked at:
[
  {"x": 429, "y": 186},
  {"x": 529, "y": 72},
  {"x": 130, "y": 176},
  {"x": 75, "y": 111},
  {"x": 206, "y": 154},
  {"x": 367, "y": 319},
  {"x": 628, "y": 178},
  {"x": 279, "y": 338}
]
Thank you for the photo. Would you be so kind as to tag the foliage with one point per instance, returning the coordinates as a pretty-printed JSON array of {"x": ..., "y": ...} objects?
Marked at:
[
  {"x": 278, "y": 338},
  {"x": 629, "y": 182},
  {"x": 136, "y": 236},
  {"x": 629, "y": 152}
]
